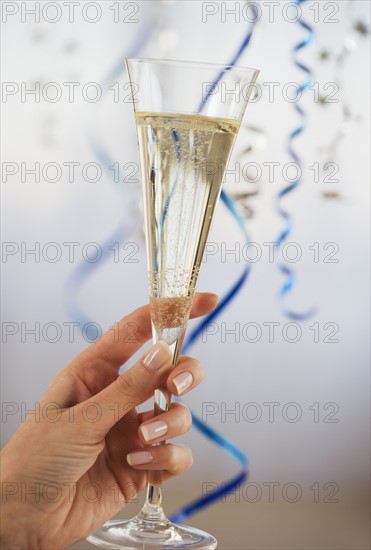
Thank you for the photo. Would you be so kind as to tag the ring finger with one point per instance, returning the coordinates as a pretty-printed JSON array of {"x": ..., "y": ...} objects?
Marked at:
[{"x": 173, "y": 459}]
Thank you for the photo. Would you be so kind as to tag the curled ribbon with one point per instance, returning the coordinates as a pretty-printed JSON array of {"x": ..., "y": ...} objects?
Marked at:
[{"x": 285, "y": 270}]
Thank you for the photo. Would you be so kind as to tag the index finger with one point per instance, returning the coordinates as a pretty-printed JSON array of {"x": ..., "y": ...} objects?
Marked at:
[{"x": 117, "y": 345}]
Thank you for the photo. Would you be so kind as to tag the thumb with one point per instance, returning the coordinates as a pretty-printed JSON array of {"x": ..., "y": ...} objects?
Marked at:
[{"x": 130, "y": 389}]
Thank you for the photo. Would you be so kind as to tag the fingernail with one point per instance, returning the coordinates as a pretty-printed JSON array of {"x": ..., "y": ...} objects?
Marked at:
[
  {"x": 158, "y": 355},
  {"x": 183, "y": 381},
  {"x": 141, "y": 457},
  {"x": 153, "y": 430}
]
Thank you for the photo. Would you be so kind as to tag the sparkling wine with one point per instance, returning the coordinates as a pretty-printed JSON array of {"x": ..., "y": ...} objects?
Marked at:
[{"x": 183, "y": 160}]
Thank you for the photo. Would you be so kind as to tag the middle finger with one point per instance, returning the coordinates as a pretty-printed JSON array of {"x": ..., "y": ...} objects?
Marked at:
[{"x": 176, "y": 421}]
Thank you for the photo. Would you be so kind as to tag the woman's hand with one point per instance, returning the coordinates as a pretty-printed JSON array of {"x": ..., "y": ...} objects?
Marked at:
[{"x": 85, "y": 451}]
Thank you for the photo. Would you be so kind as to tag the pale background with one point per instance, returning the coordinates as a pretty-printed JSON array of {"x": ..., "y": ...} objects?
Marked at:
[{"x": 238, "y": 373}]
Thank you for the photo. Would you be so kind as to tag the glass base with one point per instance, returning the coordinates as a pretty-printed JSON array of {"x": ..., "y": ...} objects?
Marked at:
[{"x": 144, "y": 534}]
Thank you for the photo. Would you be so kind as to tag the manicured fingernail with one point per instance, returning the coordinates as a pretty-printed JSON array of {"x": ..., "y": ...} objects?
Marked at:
[
  {"x": 157, "y": 356},
  {"x": 183, "y": 381},
  {"x": 141, "y": 457},
  {"x": 153, "y": 430}
]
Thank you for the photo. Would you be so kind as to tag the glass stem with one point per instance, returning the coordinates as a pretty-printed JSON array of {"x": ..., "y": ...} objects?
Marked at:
[{"x": 152, "y": 508}]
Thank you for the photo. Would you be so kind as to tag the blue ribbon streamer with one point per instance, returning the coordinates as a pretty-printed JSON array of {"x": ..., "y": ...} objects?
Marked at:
[
  {"x": 289, "y": 274},
  {"x": 205, "y": 500},
  {"x": 86, "y": 270},
  {"x": 233, "y": 61},
  {"x": 219, "y": 440},
  {"x": 215, "y": 437}
]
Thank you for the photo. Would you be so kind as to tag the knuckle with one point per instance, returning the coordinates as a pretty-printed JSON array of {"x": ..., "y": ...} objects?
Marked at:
[
  {"x": 201, "y": 370},
  {"x": 186, "y": 360},
  {"x": 180, "y": 459},
  {"x": 129, "y": 491},
  {"x": 173, "y": 461},
  {"x": 186, "y": 416},
  {"x": 189, "y": 463},
  {"x": 128, "y": 384}
]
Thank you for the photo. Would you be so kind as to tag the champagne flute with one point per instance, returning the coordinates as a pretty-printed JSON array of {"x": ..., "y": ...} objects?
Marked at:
[{"x": 187, "y": 116}]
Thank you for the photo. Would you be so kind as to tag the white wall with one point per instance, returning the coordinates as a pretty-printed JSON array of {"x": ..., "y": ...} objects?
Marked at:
[{"x": 237, "y": 373}]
